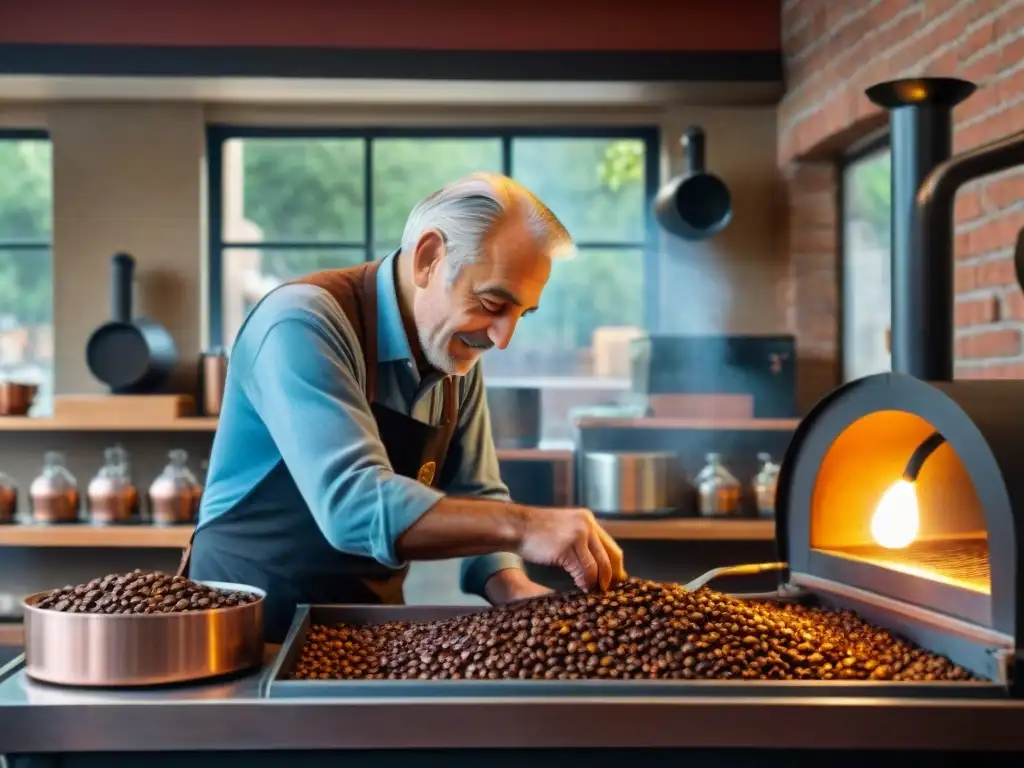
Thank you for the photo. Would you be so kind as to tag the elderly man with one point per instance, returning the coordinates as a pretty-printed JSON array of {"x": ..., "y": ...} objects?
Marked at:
[{"x": 354, "y": 435}]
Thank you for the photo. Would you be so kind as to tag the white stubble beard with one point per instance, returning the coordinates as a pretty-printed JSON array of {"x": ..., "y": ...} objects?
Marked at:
[{"x": 438, "y": 357}]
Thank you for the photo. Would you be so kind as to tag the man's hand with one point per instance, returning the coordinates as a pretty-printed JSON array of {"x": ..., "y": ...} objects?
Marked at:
[
  {"x": 573, "y": 540},
  {"x": 510, "y": 585}
]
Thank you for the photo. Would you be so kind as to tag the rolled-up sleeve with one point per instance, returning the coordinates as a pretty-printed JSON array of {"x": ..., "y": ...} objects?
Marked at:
[
  {"x": 302, "y": 383},
  {"x": 476, "y": 473}
]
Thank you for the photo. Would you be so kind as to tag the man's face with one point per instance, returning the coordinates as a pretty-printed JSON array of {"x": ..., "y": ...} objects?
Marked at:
[{"x": 459, "y": 321}]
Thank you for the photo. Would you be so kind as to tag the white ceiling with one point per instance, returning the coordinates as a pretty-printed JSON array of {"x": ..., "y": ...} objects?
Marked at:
[{"x": 29, "y": 88}]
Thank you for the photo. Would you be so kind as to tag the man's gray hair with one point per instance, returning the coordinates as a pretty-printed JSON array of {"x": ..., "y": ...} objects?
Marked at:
[{"x": 466, "y": 211}]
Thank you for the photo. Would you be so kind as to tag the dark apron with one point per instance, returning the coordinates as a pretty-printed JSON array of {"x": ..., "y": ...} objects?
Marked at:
[{"x": 283, "y": 551}]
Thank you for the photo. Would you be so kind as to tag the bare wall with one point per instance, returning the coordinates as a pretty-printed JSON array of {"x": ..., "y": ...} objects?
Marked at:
[
  {"x": 733, "y": 283},
  {"x": 127, "y": 177}
]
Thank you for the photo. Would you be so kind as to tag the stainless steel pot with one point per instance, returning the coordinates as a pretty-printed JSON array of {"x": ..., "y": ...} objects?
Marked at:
[
  {"x": 629, "y": 483},
  {"x": 515, "y": 416}
]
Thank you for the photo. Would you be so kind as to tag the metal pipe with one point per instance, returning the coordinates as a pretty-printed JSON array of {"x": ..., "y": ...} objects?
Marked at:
[
  {"x": 921, "y": 128},
  {"x": 934, "y": 228},
  {"x": 920, "y": 455}
]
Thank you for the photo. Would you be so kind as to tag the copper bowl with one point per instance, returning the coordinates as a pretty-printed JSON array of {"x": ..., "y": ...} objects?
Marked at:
[
  {"x": 126, "y": 650},
  {"x": 15, "y": 398}
]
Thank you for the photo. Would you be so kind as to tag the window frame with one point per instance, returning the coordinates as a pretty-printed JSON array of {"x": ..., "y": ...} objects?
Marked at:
[
  {"x": 872, "y": 144},
  {"x": 44, "y": 246},
  {"x": 25, "y": 134},
  {"x": 218, "y": 134}
]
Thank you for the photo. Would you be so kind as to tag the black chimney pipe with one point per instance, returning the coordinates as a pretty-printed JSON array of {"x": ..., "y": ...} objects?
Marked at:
[
  {"x": 921, "y": 133},
  {"x": 935, "y": 200}
]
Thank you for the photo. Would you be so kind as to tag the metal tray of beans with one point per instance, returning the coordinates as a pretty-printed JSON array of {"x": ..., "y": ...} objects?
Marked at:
[
  {"x": 142, "y": 629},
  {"x": 642, "y": 639}
]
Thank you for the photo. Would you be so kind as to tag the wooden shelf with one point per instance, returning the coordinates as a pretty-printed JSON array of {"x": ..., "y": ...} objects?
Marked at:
[
  {"x": 33, "y": 424},
  {"x": 85, "y": 535},
  {"x": 12, "y": 634},
  {"x": 690, "y": 529},
  {"x": 717, "y": 425},
  {"x": 209, "y": 424},
  {"x": 534, "y": 454},
  {"x": 176, "y": 537}
]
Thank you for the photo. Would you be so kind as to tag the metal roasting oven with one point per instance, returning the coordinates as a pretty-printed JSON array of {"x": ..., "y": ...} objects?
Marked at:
[
  {"x": 901, "y": 495},
  {"x": 927, "y": 549}
]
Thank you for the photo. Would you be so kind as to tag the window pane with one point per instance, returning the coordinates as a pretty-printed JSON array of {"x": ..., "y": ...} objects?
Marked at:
[
  {"x": 595, "y": 186},
  {"x": 867, "y": 298},
  {"x": 575, "y": 347},
  {"x": 26, "y": 190},
  {"x": 250, "y": 273},
  {"x": 294, "y": 189},
  {"x": 26, "y": 273},
  {"x": 595, "y": 289},
  {"x": 26, "y": 320},
  {"x": 407, "y": 170}
]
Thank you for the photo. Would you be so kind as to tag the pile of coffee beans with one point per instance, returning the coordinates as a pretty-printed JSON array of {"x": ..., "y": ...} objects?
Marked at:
[
  {"x": 639, "y": 630},
  {"x": 142, "y": 592}
]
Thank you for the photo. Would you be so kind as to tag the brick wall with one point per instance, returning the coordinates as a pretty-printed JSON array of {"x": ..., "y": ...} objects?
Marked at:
[{"x": 833, "y": 51}]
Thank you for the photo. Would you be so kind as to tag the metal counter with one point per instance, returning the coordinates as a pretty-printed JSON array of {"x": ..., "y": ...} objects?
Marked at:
[{"x": 233, "y": 715}]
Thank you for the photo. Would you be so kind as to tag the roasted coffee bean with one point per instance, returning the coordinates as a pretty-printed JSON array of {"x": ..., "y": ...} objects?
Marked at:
[
  {"x": 641, "y": 630},
  {"x": 142, "y": 592}
]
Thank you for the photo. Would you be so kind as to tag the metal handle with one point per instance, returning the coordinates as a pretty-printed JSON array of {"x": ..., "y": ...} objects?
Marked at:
[
  {"x": 122, "y": 276},
  {"x": 693, "y": 149},
  {"x": 748, "y": 570},
  {"x": 734, "y": 570}
]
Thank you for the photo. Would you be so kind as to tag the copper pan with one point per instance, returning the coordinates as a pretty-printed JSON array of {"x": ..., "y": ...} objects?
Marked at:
[
  {"x": 88, "y": 649},
  {"x": 16, "y": 399}
]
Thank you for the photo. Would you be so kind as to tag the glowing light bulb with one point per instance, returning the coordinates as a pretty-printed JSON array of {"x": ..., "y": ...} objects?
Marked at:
[{"x": 897, "y": 519}]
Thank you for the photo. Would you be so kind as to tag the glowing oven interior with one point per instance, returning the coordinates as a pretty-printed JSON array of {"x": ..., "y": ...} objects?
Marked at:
[{"x": 863, "y": 510}]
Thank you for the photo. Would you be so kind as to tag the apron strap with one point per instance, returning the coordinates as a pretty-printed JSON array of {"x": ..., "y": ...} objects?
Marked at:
[
  {"x": 450, "y": 419},
  {"x": 186, "y": 556},
  {"x": 368, "y": 308},
  {"x": 450, "y": 395}
]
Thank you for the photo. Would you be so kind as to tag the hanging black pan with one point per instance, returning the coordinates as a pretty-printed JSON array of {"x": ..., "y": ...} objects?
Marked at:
[
  {"x": 131, "y": 356},
  {"x": 696, "y": 205}
]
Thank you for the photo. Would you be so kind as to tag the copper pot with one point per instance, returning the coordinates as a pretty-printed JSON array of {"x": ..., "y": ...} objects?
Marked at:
[
  {"x": 174, "y": 494},
  {"x": 16, "y": 398},
  {"x": 49, "y": 506},
  {"x": 172, "y": 503},
  {"x": 113, "y": 497},
  {"x": 213, "y": 374},
  {"x": 125, "y": 650},
  {"x": 54, "y": 492},
  {"x": 111, "y": 502},
  {"x": 8, "y": 499}
]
